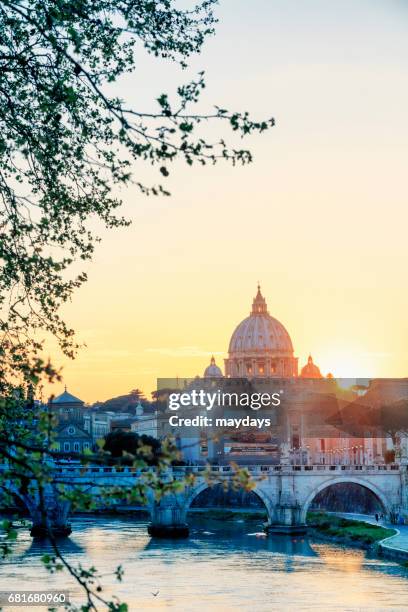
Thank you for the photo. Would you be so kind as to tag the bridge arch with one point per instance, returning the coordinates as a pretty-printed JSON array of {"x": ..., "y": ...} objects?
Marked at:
[
  {"x": 28, "y": 503},
  {"x": 263, "y": 496},
  {"x": 332, "y": 481}
]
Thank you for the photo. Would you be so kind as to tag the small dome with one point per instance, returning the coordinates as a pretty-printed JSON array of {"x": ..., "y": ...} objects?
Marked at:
[
  {"x": 310, "y": 370},
  {"x": 213, "y": 371}
]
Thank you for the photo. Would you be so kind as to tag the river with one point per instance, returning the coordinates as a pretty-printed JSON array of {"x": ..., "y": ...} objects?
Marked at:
[{"x": 223, "y": 566}]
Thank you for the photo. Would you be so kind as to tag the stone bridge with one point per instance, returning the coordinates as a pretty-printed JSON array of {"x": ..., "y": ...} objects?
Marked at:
[
  {"x": 47, "y": 510},
  {"x": 285, "y": 490},
  {"x": 288, "y": 491}
]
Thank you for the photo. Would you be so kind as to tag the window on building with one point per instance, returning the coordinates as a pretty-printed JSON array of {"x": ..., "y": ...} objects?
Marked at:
[
  {"x": 67, "y": 447},
  {"x": 86, "y": 445},
  {"x": 76, "y": 447}
]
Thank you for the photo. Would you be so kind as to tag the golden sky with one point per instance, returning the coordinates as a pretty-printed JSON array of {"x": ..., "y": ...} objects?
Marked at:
[{"x": 320, "y": 218}]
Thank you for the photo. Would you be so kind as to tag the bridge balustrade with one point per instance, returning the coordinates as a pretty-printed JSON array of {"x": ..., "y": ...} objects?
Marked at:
[{"x": 221, "y": 469}]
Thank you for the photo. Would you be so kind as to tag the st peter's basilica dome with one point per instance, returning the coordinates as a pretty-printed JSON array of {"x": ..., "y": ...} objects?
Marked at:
[{"x": 260, "y": 345}]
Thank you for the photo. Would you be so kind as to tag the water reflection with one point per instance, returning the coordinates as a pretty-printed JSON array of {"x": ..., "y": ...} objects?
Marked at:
[
  {"x": 224, "y": 566},
  {"x": 40, "y": 547},
  {"x": 235, "y": 537}
]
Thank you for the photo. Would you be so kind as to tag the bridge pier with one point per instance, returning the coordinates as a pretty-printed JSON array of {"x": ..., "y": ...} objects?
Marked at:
[
  {"x": 168, "y": 518},
  {"x": 55, "y": 520},
  {"x": 47, "y": 509},
  {"x": 286, "y": 521},
  {"x": 286, "y": 515}
]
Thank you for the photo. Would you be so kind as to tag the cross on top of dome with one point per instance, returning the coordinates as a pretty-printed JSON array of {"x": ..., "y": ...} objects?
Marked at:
[{"x": 259, "y": 304}]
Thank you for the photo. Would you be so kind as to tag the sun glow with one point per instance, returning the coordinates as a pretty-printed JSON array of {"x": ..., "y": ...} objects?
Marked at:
[{"x": 348, "y": 364}]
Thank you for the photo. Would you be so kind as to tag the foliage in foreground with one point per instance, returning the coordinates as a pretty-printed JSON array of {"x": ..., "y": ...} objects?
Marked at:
[
  {"x": 27, "y": 449},
  {"x": 67, "y": 147},
  {"x": 68, "y": 144},
  {"x": 123, "y": 445}
]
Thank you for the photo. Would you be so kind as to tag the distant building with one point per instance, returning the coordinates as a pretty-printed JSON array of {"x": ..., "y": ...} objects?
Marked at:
[
  {"x": 261, "y": 347},
  {"x": 98, "y": 424},
  {"x": 67, "y": 407},
  {"x": 145, "y": 423},
  {"x": 70, "y": 411},
  {"x": 73, "y": 439}
]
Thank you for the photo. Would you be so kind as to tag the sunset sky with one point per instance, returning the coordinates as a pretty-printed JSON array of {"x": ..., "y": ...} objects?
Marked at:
[{"x": 320, "y": 218}]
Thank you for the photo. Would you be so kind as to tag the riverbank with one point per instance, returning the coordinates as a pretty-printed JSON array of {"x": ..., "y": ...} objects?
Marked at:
[
  {"x": 347, "y": 531},
  {"x": 394, "y": 547}
]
